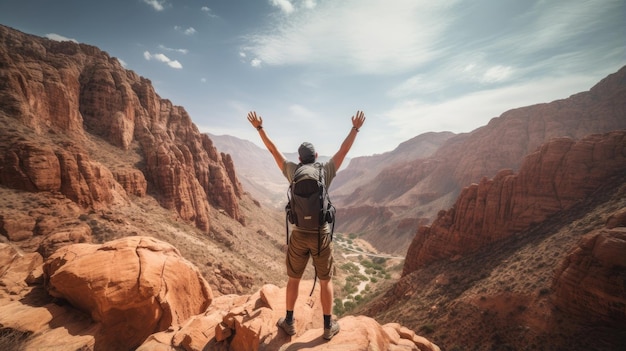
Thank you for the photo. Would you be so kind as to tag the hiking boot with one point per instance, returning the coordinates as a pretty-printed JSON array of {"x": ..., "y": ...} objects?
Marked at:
[
  {"x": 332, "y": 331},
  {"x": 288, "y": 328}
]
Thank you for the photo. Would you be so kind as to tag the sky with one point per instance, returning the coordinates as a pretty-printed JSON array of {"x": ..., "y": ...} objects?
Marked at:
[{"x": 307, "y": 66}]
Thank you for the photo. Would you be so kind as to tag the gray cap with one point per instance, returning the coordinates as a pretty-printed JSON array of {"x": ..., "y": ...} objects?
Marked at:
[{"x": 306, "y": 152}]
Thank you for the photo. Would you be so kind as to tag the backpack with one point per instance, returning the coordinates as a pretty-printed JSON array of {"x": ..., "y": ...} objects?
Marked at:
[{"x": 308, "y": 203}]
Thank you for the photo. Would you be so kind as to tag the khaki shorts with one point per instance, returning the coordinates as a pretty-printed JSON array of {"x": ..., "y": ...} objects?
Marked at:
[{"x": 304, "y": 244}]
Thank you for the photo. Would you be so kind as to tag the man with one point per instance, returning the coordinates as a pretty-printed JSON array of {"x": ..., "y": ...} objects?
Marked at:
[{"x": 305, "y": 243}]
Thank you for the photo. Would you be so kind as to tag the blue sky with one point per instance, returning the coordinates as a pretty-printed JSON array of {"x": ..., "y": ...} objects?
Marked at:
[{"x": 306, "y": 66}]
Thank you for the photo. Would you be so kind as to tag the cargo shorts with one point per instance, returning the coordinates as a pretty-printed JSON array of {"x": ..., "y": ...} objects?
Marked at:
[{"x": 303, "y": 244}]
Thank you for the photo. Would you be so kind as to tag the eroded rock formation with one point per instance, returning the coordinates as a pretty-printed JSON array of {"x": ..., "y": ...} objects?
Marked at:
[
  {"x": 138, "y": 293},
  {"x": 551, "y": 179},
  {"x": 132, "y": 287},
  {"x": 590, "y": 283},
  {"x": 63, "y": 92}
]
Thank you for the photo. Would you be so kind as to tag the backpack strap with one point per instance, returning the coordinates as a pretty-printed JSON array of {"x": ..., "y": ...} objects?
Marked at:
[{"x": 322, "y": 180}]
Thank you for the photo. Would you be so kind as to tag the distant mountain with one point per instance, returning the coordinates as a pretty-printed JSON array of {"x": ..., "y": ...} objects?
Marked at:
[
  {"x": 256, "y": 169},
  {"x": 362, "y": 170},
  {"x": 387, "y": 206}
]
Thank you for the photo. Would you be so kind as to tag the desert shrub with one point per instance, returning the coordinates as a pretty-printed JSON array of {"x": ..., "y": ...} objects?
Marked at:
[
  {"x": 427, "y": 328},
  {"x": 338, "y": 308},
  {"x": 350, "y": 267},
  {"x": 349, "y": 306},
  {"x": 379, "y": 260},
  {"x": 349, "y": 288}
]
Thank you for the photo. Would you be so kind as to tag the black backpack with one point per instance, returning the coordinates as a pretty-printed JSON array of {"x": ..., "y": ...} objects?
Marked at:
[{"x": 308, "y": 203}]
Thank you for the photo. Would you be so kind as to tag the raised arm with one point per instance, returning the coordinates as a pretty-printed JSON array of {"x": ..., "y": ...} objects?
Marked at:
[
  {"x": 257, "y": 122},
  {"x": 357, "y": 122}
]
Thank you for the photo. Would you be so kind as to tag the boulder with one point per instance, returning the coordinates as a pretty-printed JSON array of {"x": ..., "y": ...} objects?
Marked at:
[
  {"x": 132, "y": 287},
  {"x": 590, "y": 283},
  {"x": 18, "y": 270}
]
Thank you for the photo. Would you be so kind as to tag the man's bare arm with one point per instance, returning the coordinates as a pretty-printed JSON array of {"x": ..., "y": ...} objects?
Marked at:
[
  {"x": 257, "y": 122},
  {"x": 357, "y": 122}
]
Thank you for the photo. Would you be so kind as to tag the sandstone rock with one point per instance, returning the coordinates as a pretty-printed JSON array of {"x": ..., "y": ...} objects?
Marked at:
[
  {"x": 35, "y": 166},
  {"x": 69, "y": 233},
  {"x": 360, "y": 333},
  {"x": 15, "y": 225},
  {"x": 249, "y": 323},
  {"x": 18, "y": 269},
  {"x": 48, "y": 326},
  {"x": 87, "y": 91},
  {"x": 132, "y": 180},
  {"x": 31, "y": 166},
  {"x": 558, "y": 175},
  {"x": 589, "y": 284},
  {"x": 617, "y": 219},
  {"x": 132, "y": 287}
]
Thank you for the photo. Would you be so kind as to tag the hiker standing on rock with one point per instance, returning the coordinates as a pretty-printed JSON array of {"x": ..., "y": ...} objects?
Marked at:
[{"x": 305, "y": 242}]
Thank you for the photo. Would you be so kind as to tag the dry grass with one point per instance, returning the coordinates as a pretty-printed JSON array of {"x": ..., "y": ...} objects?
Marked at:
[{"x": 12, "y": 340}]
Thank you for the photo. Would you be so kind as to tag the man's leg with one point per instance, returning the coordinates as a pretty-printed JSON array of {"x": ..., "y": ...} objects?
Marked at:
[
  {"x": 326, "y": 295},
  {"x": 292, "y": 293},
  {"x": 287, "y": 323}
]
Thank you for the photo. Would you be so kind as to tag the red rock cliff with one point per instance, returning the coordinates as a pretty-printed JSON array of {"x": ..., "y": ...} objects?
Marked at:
[
  {"x": 67, "y": 91},
  {"x": 553, "y": 178}
]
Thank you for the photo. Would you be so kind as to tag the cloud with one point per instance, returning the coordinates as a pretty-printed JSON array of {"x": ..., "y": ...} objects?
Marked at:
[
  {"x": 284, "y": 5},
  {"x": 497, "y": 74},
  {"x": 556, "y": 22},
  {"x": 57, "y": 37},
  {"x": 181, "y": 51},
  {"x": 309, "y": 4},
  {"x": 188, "y": 31},
  {"x": 208, "y": 11},
  {"x": 467, "y": 111},
  {"x": 156, "y": 4},
  {"x": 162, "y": 58},
  {"x": 256, "y": 62},
  {"x": 364, "y": 36}
]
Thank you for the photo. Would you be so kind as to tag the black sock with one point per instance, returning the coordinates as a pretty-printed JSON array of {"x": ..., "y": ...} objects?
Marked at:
[
  {"x": 289, "y": 317},
  {"x": 327, "y": 321}
]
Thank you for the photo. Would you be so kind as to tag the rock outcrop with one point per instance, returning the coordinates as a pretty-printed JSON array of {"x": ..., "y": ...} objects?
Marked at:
[
  {"x": 63, "y": 93},
  {"x": 132, "y": 287},
  {"x": 559, "y": 174},
  {"x": 138, "y": 293},
  {"x": 249, "y": 323},
  {"x": 590, "y": 283}
]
